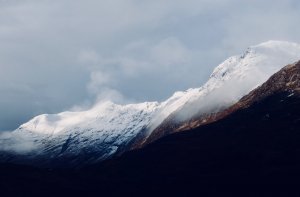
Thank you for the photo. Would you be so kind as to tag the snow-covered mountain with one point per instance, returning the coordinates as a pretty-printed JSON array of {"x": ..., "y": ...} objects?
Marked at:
[
  {"x": 237, "y": 76},
  {"x": 80, "y": 137},
  {"x": 229, "y": 82},
  {"x": 107, "y": 128}
]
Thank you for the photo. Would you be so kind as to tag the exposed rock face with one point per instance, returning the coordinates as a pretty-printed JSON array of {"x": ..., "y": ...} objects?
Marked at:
[{"x": 287, "y": 79}]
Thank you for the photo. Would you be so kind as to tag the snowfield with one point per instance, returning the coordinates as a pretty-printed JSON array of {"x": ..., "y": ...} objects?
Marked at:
[{"x": 99, "y": 133}]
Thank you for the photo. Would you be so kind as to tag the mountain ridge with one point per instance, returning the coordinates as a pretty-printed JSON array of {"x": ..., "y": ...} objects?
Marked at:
[
  {"x": 109, "y": 129},
  {"x": 255, "y": 147},
  {"x": 287, "y": 79},
  {"x": 251, "y": 69}
]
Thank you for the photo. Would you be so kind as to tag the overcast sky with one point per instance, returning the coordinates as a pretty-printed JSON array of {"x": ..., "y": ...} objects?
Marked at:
[{"x": 57, "y": 55}]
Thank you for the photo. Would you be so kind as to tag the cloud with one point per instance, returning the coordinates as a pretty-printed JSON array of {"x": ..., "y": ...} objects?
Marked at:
[
  {"x": 12, "y": 142},
  {"x": 98, "y": 80},
  {"x": 58, "y": 54},
  {"x": 167, "y": 55},
  {"x": 135, "y": 61}
]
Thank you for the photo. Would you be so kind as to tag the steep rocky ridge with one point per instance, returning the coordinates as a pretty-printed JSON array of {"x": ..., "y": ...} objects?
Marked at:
[{"x": 287, "y": 79}]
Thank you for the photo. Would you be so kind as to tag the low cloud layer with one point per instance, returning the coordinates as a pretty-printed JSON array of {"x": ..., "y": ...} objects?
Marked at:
[
  {"x": 14, "y": 143},
  {"x": 55, "y": 55}
]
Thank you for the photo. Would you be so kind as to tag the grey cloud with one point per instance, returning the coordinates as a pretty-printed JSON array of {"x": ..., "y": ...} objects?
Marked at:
[
  {"x": 55, "y": 55},
  {"x": 16, "y": 144}
]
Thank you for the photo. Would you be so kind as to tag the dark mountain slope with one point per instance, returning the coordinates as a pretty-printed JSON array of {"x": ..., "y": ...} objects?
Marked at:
[{"x": 259, "y": 144}]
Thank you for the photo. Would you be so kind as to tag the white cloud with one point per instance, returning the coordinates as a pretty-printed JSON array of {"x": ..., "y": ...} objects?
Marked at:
[
  {"x": 88, "y": 57},
  {"x": 170, "y": 52},
  {"x": 20, "y": 145},
  {"x": 98, "y": 80}
]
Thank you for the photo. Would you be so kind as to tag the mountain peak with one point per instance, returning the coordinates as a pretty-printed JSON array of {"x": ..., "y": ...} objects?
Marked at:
[
  {"x": 265, "y": 56},
  {"x": 229, "y": 82},
  {"x": 107, "y": 128}
]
